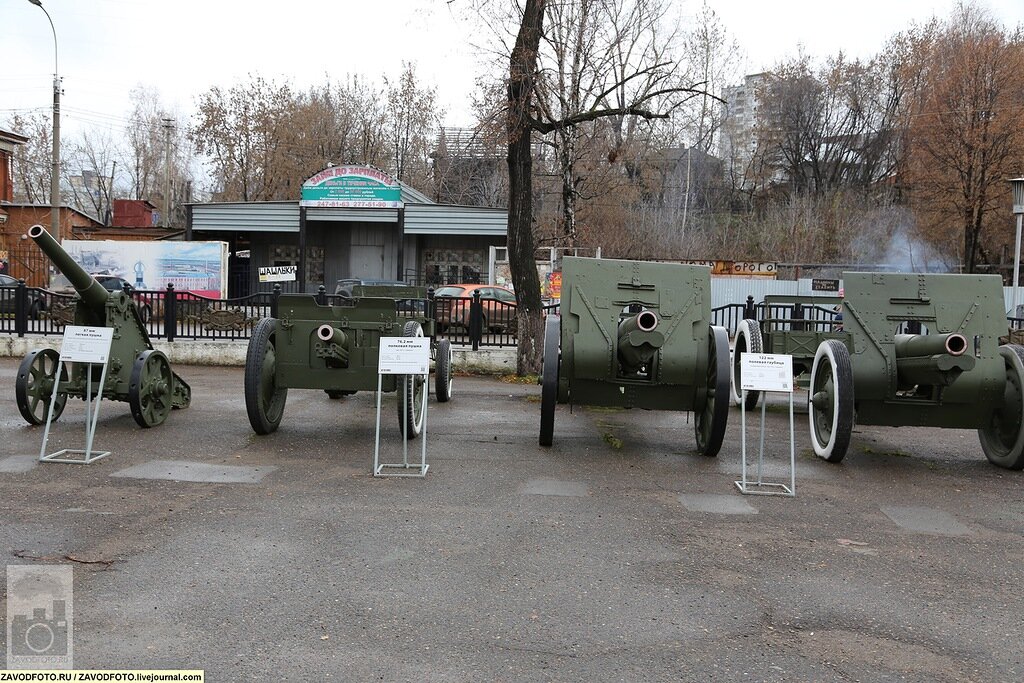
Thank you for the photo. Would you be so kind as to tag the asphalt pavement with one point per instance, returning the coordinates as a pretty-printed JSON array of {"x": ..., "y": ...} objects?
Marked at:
[{"x": 618, "y": 554}]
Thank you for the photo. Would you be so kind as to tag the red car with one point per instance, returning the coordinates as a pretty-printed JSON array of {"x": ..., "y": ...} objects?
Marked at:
[{"x": 498, "y": 303}]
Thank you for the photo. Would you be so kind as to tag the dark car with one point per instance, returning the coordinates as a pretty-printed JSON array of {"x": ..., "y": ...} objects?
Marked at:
[
  {"x": 344, "y": 288},
  {"x": 36, "y": 304},
  {"x": 113, "y": 283}
]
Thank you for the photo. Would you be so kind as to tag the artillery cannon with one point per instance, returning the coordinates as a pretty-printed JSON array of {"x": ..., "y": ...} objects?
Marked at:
[
  {"x": 953, "y": 375},
  {"x": 791, "y": 325},
  {"x": 336, "y": 348},
  {"x": 637, "y": 335},
  {"x": 136, "y": 372}
]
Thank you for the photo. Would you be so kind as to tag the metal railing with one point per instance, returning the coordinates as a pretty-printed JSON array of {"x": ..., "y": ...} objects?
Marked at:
[{"x": 465, "y": 321}]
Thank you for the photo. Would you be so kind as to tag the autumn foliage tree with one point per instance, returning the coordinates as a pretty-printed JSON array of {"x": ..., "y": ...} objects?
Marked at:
[{"x": 964, "y": 132}]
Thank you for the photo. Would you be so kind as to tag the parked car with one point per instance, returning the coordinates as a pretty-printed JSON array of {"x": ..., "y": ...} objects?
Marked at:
[
  {"x": 36, "y": 303},
  {"x": 113, "y": 283},
  {"x": 498, "y": 303}
]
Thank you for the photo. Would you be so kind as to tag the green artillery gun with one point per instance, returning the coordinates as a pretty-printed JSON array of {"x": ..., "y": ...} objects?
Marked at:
[
  {"x": 336, "y": 348},
  {"x": 637, "y": 335},
  {"x": 136, "y": 372},
  {"x": 791, "y": 325},
  {"x": 953, "y": 375}
]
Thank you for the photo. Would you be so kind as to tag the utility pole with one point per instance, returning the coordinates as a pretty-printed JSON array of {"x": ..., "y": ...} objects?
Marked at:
[
  {"x": 168, "y": 127},
  {"x": 55, "y": 170}
]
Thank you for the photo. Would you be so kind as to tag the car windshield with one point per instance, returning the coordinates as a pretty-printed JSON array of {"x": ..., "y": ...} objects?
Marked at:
[
  {"x": 449, "y": 291},
  {"x": 110, "y": 283},
  {"x": 7, "y": 280}
]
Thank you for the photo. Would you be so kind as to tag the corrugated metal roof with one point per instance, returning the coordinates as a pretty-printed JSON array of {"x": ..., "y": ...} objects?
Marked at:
[
  {"x": 441, "y": 219},
  {"x": 247, "y": 216},
  {"x": 420, "y": 219},
  {"x": 410, "y": 195}
]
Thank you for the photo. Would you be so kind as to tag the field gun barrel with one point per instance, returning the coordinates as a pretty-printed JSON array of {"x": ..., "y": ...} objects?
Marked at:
[
  {"x": 931, "y": 359},
  {"x": 92, "y": 292},
  {"x": 639, "y": 340},
  {"x": 908, "y": 345},
  {"x": 334, "y": 344}
]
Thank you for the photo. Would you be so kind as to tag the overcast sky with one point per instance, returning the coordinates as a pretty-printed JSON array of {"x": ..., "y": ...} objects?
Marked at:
[{"x": 182, "y": 48}]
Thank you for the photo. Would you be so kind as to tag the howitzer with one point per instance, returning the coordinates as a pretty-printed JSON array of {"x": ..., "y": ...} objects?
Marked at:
[
  {"x": 136, "y": 372},
  {"x": 953, "y": 375},
  {"x": 335, "y": 347},
  {"x": 637, "y": 335}
]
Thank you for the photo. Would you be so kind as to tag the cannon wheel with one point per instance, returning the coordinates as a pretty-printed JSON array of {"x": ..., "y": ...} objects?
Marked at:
[
  {"x": 410, "y": 410},
  {"x": 264, "y": 400},
  {"x": 549, "y": 378},
  {"x": 748, "y": 340},
  {"x": 710, "y": 422},
  {"x": 150, "y": 388},
  {"x": 34, "y": 386},
  {"x": 1003, "y": 438},
  {"x": 443, "y": 372},
  {"x": 830, "y": 400}
]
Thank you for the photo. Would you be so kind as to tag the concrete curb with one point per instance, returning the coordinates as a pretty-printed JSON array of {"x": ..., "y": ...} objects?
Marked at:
[{"x": 232, "y": 353}]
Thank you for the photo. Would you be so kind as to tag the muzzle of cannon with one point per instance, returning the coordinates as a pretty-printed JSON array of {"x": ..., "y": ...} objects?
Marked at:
[
  {"x": 636, "y": 334},
  {"x": 931, "y": 359},
  {"x": 136, "y": 372},
  {"x": 333, "y": 345},
  {"x": 639, "y": 339}
]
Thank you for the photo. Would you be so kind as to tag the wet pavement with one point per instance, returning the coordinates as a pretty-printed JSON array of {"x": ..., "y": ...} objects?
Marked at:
[{"x": 617, "y": 554}]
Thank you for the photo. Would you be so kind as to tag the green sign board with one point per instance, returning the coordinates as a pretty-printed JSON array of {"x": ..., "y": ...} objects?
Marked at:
[{"x": 352, "y": 186}]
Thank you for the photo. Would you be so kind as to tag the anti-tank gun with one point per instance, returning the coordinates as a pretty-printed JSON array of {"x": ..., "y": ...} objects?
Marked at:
[{"x": 136, "y": 372}]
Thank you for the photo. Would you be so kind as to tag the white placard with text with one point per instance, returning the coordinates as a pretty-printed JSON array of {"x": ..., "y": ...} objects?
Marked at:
[
  {"x": 404, "y": 356},
  {"x": 86, "y": 344},
  {"x": 766, "y": 372}
]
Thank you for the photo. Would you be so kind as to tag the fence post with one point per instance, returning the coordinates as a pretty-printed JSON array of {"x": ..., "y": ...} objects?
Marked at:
[
  {"x": 798, "y": 314},
  {"x": 748, "y": 309},
  {"x": 170, "y": 312},
  {"x": 321, "y": 295},
  {"x": 431, "y": 311},
  {"x": 274, "y": 296},
  {"x": 476, "y": 320},
  {"x": 21, "y": 309}
]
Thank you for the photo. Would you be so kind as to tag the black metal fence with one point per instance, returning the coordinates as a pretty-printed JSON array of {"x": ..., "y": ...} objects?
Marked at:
[{"x": 465, "y": 321}]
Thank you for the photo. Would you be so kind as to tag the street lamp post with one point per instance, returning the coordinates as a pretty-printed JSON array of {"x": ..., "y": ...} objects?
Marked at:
[
  {"x": 55, "y": 171},
  {"x": 1018, "y": 209}
]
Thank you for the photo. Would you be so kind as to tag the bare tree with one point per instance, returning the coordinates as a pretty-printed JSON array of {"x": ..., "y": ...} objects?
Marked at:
[
  {"x": 412, "y": 119},
  {"x": 31, "y": 162}
]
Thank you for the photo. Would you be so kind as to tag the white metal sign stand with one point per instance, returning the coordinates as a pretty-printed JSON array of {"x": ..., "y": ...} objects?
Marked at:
[
  {"x": 91, "y": 346},
  {"x": 409, "y": 356},
  {"x": 766, "y": 372}
]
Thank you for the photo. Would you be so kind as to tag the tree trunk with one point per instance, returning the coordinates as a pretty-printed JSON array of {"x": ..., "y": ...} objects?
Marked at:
[{"x": 522, "y": 264}]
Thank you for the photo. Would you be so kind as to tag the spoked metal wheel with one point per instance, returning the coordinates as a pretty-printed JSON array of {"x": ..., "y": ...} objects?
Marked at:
[
  {"x": 150, "y": 388},
  {"x": 34, "y": 386},
  {"x": 710, "y": 422},
  {"x": 549, "y": 378},
  {"x": 264, "y": 400},
  {"x": 748, "y": 340},
  {"x": 1003, "y": 438},
  {"x": 412, "y": 393},
  {"x": 443, "y": 371},
  {"x": 830, "y": 400}
]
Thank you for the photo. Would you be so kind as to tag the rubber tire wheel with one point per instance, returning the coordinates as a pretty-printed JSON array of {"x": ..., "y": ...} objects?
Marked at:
[
  {"x": 410, "y": 420},
  {"x": 748, "y": 340},
  {"x": 443, "y": 372},
  {"x": 265, "y": 408},
  {"x": 150, "y": 410},
  {"x": 549, "y": 378},
  {"x": 145, "y": 313},
  {"x": 1005, "y": 447},
  {"x": 831, "y": 363},
  {"x": 710, "y": 423},
  {"x": 28, "y": 392},
  {"x": 35, "y": 309}
]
